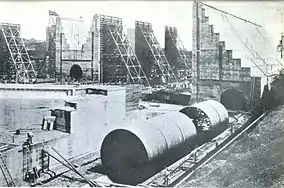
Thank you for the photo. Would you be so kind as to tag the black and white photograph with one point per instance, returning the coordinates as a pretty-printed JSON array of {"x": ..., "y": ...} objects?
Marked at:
[{"x": 142, "y": 93}]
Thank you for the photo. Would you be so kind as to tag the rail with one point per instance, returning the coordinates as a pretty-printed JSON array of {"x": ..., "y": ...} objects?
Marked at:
[
  {"x": 183, "y": 168},
  {"x": 179, "y": 181}
]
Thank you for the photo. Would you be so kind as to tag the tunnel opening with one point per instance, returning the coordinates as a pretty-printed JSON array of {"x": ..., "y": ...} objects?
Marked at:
[
  {"x": 233, "y": 99},
  {"x": 122, "y": 154},
  {"x": 76, "y": 72}
]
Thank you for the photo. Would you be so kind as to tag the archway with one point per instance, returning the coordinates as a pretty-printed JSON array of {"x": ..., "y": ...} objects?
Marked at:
[
  {"x": 233, "y": 99},
  {"x": 76, "y": 72}
]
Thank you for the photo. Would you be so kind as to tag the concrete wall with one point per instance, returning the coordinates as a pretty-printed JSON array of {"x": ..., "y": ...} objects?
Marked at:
[
  {"x": 211, "y": 89},
  {"x": 85, "y": 66},
  {"x": 217, "y": 70},
  {"x": 76, "y": 47},
  {"x": 95, "y": 116},
  {"x": 14, "y": 161}
]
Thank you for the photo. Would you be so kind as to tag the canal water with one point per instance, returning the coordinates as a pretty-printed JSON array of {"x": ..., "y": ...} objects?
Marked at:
[{"x": 19, "y": 113}]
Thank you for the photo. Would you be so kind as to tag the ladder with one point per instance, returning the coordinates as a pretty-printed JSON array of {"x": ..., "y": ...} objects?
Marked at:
[
  {"x": 27, "y": 160},
  {"x": 25, "y": 72},
  {"x": 5, "y": 171},
  {"x": 45, "y": 160}
]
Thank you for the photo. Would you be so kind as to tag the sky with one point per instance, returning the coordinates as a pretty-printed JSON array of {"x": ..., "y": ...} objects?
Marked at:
[{"x": 33, "y": 17}]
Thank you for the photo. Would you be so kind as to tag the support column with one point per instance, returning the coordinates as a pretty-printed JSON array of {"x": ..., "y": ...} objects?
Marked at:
[
  {"x": 61, "y": 36},
  {"x": 92, "y": 62},
  {"x": 196, "y": 49}
]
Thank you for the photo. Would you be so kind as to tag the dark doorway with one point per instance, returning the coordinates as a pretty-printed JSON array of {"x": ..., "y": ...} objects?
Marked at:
[
  {"x": 76, "y": 72},
  {"x": 233, "y": 99}
]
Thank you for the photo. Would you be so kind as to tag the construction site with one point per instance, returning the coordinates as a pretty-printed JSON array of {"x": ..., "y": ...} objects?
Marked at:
[{"x": 104, "y": 105}]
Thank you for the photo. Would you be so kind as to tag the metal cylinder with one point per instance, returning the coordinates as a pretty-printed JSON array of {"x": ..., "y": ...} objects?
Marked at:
[
  {"x": 210, "y": 113},
  {"x": 127, "y": 149},
  {"x": 220, "y": 109}
]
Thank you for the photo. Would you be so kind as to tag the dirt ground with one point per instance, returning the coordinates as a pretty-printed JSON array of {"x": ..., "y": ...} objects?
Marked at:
[{"x": 255, "y": 160}]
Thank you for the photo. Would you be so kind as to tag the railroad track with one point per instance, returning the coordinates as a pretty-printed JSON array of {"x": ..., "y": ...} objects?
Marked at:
[
  {"x": 179, "y": 172},
  {"x": 176, "y": 174}
]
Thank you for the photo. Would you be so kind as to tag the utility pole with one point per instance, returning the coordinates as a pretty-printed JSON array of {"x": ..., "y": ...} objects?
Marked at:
[
  {"x": 92, "y": 63},
  {"x": 197, "y": 8},
  {"x": 61, "y": 36}
]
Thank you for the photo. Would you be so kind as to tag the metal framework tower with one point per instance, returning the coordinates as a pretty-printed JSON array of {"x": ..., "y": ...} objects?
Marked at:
[
  {"x": 19, "y": 58},
  {"x": 50, "y": 67},
  {"x": 118, "y": 62},
  {"x": 178, "y": 56},
  {"x": 152, "y": 56}
]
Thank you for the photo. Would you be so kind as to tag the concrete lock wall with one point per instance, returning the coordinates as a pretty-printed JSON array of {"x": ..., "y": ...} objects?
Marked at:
[
  {"x": 213, "y": 90},
  {"x": 94, "y": 117},
  {"x": 218, "y": 69},
  {"x": 14, "y": 161},
  {"x": 85, "y": 67},
  {"x": 75, "y": 49}
]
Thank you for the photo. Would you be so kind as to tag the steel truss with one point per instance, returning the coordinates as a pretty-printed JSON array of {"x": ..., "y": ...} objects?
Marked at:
[
  {"x": 183, "y": 56},
  {"x": 25, "y": 72},
  {"x": 127, "y": 55},
  {"x": 50, "y": 67},
  {"x": 166, "y": 72}
]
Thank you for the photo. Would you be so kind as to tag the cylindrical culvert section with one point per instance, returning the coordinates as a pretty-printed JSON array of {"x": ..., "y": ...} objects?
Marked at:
[
  {"x": 220, "y": 109},
  {"x": 210, "y": 117},
  {"x": 134, "y": 153}
]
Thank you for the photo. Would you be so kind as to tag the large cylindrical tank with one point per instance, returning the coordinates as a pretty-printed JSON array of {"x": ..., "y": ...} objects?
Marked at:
[
  {"x": 136, "y": 152},
  {"x": 210, "y": 117}
]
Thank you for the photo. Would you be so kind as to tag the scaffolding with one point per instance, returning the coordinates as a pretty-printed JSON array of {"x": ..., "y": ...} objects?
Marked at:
[
  {"x": 176, "y": 53},
  {"x": 118, "y": 62},
  {"x": 6, "y": 173},
  {"x": 23, "y": 68},
  {"x": 50, "y": 68},
  {"x": 148, "y": 49},
  {"x": 128, "y": 56}
]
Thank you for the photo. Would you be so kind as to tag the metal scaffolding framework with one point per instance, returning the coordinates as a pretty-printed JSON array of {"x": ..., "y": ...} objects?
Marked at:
[
  {"x": 183, "y": 61},
  {"x": 159, "y": 64},
  {"x": 118, "y": 62},
  {"x": 127, "y": 55},
  {"x": 50, "y": 67},
  {"x": 23, "y": 67},
  {"x": 112, "y": 69}
]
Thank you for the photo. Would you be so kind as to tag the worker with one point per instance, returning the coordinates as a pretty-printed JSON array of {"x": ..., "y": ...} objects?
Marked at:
[{"x": 30, "y": 138}]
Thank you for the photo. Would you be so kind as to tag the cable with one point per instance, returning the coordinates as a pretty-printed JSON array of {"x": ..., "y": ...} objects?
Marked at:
[
  {"x": 269, "y": 42},
  {"x": 234, "y": 31},
  {"x": 246, "y": 21}
]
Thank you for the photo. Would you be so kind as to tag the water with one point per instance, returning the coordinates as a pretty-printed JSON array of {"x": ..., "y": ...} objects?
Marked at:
[
  {"x": 255, "y": 160},
  {"x": 24, "y": 113}
]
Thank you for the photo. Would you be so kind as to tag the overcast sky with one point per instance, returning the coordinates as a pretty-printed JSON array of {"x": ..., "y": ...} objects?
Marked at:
[{"x": 33, "y": 17}]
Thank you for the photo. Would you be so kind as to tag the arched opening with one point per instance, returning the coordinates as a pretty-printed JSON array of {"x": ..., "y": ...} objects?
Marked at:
[
  {"x": 233, "y": 99},
  {"x": 76, "y": 72}
]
